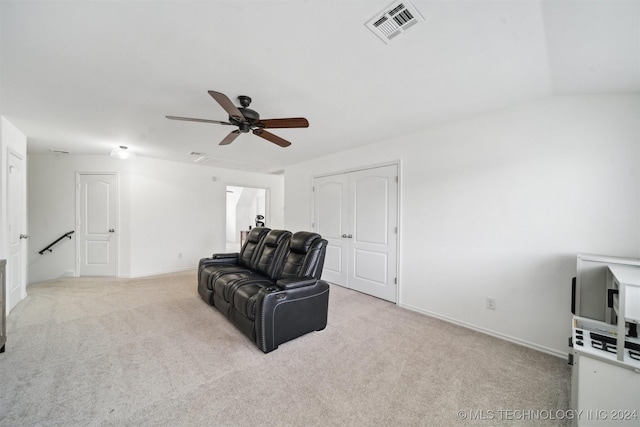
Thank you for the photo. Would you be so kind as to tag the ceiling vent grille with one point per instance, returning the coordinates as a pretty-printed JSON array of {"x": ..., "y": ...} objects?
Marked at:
[
  {"x": 394, "y": 20},
  {"x": 202, "y": 159}
]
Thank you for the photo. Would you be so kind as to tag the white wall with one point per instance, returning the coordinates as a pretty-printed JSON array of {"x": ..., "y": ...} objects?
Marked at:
[
  {"x": 498, "y": 205},
  {"x": 10, "y": 139},
  {"x": 232, "y": 201},
  {"x": 171, "y": 214}
]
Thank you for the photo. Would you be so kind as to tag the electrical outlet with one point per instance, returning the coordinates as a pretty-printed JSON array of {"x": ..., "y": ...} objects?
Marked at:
[{"x": 491, "y": 303}]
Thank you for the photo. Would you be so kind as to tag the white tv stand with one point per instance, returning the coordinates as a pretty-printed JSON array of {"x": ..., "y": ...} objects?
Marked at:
[{"x": 606, "y": 355}]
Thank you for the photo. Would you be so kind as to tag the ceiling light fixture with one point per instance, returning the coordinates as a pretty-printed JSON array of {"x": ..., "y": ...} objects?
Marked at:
[{"x": 123, "y": 152}]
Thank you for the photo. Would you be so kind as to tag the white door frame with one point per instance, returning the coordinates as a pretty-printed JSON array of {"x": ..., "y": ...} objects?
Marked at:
[
  {"x": 10, "y": 269},
  {"x": 267, "y": 211},
  {"x": 117, "y": 220},
  {"x": 396, "y": 163},
  {"x": 267, "y": 199}
]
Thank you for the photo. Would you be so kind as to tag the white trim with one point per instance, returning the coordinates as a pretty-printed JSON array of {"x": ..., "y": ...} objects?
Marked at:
[
  {"x": 505, "y": 337},
  {"x": 357, "y": 169},
  {"x": 136, "y": 276}
]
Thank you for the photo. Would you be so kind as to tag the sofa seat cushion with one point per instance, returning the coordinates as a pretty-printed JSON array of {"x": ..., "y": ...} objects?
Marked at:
[
  {"x": 227, "y": 285},
  {"x": 211, "y": 273},
  {"x": 221, "y": 284},
  {"x": 245, "y": 297}
]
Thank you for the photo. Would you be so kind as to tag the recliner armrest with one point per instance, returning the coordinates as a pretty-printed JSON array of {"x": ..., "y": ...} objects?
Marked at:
[
  {"x": 231, "y": 258},
  {"x": 296, "y": 282},
  {"x": 231, "y": 255},
  {"x": 282, "y": 315}
]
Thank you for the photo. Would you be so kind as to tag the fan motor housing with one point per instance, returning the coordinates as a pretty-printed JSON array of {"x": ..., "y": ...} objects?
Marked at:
[{"x": 249, "y": 114}]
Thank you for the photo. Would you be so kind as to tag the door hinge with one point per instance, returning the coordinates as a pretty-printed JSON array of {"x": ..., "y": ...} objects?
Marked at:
[
  {"x": 396, "y": 178},
  {"x": 395, "y": 230},
  {"x": 395, "y": 280}
]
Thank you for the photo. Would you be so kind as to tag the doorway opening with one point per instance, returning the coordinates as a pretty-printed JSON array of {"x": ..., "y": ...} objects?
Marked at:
[{"x": 246, "y": 208}]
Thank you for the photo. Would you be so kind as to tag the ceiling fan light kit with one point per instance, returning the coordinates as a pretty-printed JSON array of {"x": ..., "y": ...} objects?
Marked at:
[
  {"x": 248, "y": 120},
  {"x": 123, "y": 152}
]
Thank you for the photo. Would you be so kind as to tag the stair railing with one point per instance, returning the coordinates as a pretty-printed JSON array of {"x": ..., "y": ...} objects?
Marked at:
[{"x": 48, "y": 248}]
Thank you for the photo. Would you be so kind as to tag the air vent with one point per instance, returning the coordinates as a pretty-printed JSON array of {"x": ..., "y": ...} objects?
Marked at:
[
  {"x": 202, "y": 159},
  {"x": 394, "y": 20},
  {"x": 217, "y": 161}
]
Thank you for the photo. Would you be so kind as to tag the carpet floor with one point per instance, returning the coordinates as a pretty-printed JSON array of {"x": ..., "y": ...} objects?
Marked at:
[{"x": 150, "y": 352}]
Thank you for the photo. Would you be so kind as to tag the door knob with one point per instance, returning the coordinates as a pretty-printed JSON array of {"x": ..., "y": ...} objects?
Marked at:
[
  {"x": 24, "y": 236},
  {"x": 349, "y": 236},
  {"x": 344, "y": 236},
  {"x": 111, "y": 230}
]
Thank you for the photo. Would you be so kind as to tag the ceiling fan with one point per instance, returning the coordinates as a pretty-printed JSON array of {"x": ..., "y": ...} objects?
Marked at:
[{"x": 248, "y": 120}]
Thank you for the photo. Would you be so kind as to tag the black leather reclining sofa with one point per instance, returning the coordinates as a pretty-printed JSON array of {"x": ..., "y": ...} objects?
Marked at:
[{"x": 271, "y": 290}]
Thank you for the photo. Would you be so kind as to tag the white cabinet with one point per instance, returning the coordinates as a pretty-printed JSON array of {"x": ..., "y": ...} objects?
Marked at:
[
  {"x": 608, "y": 394},
  {"x": 606, "y": 354}
]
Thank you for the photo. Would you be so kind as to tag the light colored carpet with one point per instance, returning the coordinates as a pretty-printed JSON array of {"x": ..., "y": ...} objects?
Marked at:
[{"x": 149, "y": 351}]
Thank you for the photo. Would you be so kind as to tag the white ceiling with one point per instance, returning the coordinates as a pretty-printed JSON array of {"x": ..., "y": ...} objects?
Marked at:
[{"x": 85, "y": 76}]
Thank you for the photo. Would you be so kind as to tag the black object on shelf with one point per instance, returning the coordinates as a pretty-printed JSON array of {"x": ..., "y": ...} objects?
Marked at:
[{"x": 573, "y": 295}]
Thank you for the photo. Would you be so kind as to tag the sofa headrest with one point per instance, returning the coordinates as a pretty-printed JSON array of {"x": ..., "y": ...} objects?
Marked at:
[
  {"x": 301, "y": 241},
  {"x": 275, "y": 237},
  {"x": 256, "y": 234}
]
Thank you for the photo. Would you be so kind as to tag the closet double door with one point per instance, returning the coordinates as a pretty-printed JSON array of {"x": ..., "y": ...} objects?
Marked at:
[{"x": 357, "y": 212}]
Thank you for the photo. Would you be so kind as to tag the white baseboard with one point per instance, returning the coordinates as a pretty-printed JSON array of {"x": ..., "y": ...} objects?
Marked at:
[
  {"x": 505, "y": 337},
  {"x": 136, "y": 276}
]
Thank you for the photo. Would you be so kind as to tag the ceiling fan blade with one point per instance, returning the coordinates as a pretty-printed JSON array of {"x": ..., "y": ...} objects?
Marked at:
[
  {"x": 294, "y": 122},
  {"x": 230, "y": 138},
  {"x": 189, "y": 119},
  {"x": 271, "y": 137},
  {"x": 226, "y": 103}
]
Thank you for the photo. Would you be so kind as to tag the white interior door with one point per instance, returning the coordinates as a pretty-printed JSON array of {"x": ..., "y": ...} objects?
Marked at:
[
  {"x": 97, "y": 207},
  {"x": 16, "y": 206},
  {"x": 373, "y": 204},
  {"x": 331, "y": 201},
  {"x": 357, "y": 213}
]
